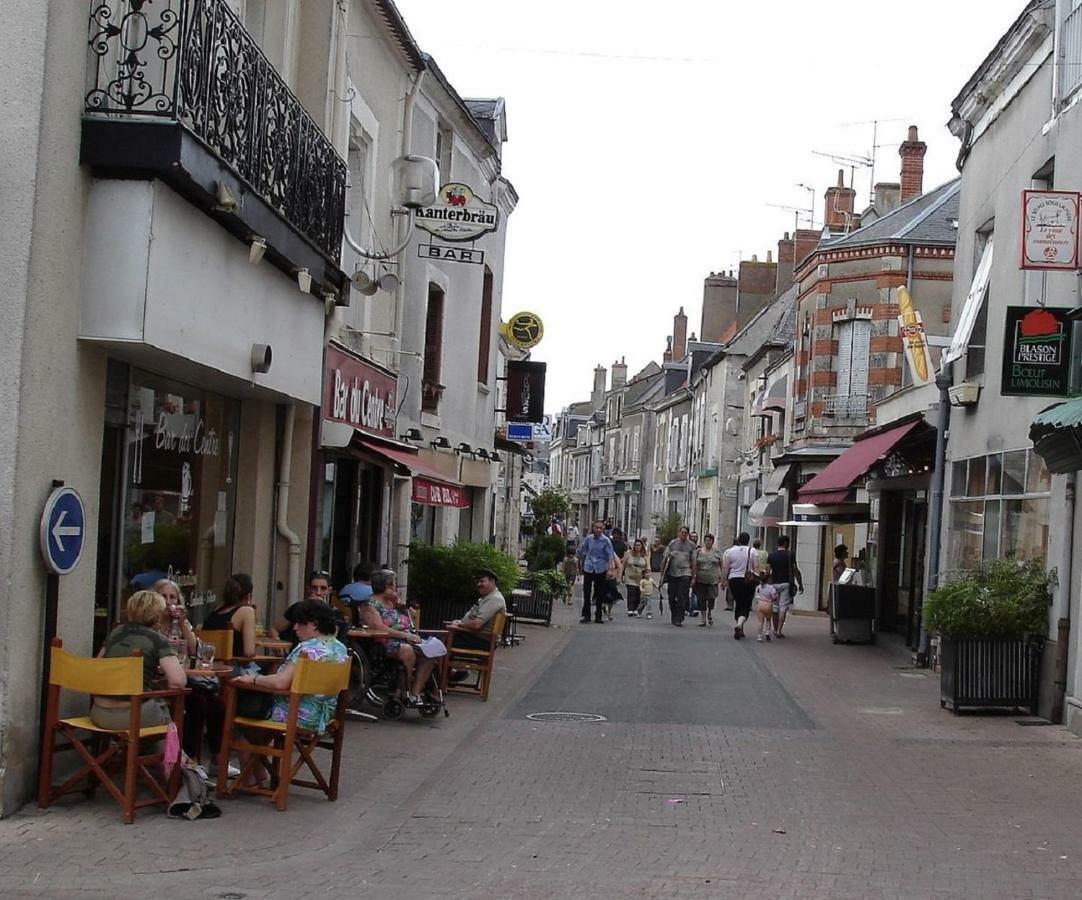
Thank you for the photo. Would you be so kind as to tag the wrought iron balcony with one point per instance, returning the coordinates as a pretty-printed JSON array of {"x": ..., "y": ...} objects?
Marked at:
[
  {"x": 192, "y": 65},
  {"x": 846, "y": 406}
]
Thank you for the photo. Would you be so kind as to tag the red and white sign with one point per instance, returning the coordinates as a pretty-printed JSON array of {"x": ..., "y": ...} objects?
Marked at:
[
  {"x": 357, "y": 393},
  {"x": 433, "y": 493},
  {"x": 1050, "y": 230}
]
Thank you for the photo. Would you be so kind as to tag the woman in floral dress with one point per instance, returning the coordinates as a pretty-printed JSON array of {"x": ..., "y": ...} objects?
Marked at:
[{"x": 379, "y": 612}]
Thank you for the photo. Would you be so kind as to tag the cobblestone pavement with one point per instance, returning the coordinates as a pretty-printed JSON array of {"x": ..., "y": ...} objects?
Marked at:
[{"x": 794, "y": 769}]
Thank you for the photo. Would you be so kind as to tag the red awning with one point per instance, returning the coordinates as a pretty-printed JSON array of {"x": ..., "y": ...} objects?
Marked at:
[
  {"x": 833, "y": 483},
  {"x": 430, "y": 486}
]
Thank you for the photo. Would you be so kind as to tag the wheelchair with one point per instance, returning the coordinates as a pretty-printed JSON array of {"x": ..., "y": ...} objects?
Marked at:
[{"x": 378, "y": 681}]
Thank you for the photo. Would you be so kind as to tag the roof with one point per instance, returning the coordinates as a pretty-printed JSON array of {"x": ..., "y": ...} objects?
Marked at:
[
  {"x": 406, "y": 42},
  {"x": 763, "y": 327},
  {"x": 930, "y": 218},
  {"x": 583, "y": 408},
  {"x": 641, "y": 388},
  {"x": 488, "y": 112},
  {"x": 436, "y": 72}
]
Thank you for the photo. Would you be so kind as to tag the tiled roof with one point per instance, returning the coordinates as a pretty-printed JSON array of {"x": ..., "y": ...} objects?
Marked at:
[
  {"x": 765, "y": 326},
  {"x": 928, "y": 219}
]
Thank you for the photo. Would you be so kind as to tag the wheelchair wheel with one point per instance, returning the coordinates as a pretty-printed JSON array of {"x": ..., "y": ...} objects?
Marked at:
[
  {"x": 360, "y": 680},
  {"x": 429, "y": 710},
  {"x": 393, "y": 709}
]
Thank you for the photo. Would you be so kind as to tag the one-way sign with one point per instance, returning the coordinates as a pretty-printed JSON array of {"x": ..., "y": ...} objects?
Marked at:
[{"x": 63, "y": 530}]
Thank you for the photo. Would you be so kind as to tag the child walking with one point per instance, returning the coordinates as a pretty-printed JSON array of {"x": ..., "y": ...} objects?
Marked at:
[
  {"x": 571, "y": 572},
  {"x": 766, "y": 598}
]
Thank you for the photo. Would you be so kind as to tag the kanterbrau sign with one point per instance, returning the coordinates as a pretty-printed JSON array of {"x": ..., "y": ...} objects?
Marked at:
[
  {"x": 458, "y": 214},
  {"x": 1037, "y": 352}
]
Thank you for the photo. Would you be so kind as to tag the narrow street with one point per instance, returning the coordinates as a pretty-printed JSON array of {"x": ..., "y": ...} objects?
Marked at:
[{"x": 722, "y": 769}]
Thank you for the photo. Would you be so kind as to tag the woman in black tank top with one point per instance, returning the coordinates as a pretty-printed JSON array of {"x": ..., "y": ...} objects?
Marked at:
[{"x": 236, "y": 613}]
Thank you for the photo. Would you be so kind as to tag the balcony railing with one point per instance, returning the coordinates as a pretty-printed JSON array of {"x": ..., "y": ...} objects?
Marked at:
[
  {"x": 192, "y": 62},
  {"x": 846, "y": 406},
  {"x": 1071, "y": 61}
]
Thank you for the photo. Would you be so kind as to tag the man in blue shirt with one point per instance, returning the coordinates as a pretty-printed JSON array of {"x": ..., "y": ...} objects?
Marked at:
[
  {"x": 595, "y": 555},
  {"x": 358, "y": 590}
]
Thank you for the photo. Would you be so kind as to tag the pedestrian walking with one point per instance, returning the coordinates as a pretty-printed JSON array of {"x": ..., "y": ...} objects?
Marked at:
[
  {"x": 738, "y": 572},
  {"x": 595, "y": 556},
  {"x": 787, "y": 580},
  {"x": 693, "y": 598},
  {"x": 766, "y": 596},
  {"x": 657, "y": 560},
  {"x": 706, "y": 575},
  {"x": 676, "y": 569},
  {"x": 634, "y": 567},
  {"x": 573, "y": 533},
  {"x": 570, "y": 567}
]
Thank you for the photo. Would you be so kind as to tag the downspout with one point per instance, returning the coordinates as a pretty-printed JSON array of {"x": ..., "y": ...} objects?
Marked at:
[
  {"x": 943, "y": 381},
  {"x": 293, "y": 577},
  {"x": 1063, "y": 624}
]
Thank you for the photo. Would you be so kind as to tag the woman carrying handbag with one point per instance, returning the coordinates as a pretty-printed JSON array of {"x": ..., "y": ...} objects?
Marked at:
[{"x": 740, "y": 573}]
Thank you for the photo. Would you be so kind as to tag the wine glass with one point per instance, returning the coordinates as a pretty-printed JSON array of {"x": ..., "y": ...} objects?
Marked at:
[{"x": 206, "y": 655}]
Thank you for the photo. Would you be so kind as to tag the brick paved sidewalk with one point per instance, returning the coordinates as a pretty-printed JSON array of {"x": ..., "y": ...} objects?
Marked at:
[{"x": 874, "y": 791}]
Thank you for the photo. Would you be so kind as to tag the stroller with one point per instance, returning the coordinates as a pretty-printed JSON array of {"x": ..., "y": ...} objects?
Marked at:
[{"x": 379, "y": 681}]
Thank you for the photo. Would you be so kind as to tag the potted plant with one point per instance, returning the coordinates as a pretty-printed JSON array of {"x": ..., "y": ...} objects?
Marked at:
[
  {"x": 442, "y": 577},
  {"x": 991, "y": 624}
]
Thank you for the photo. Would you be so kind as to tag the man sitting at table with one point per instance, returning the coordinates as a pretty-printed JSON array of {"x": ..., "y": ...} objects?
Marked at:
[
  {"x": 358, "y": 590},
  {"x": 490, "y": 602},
  {"x": 319, "y": 588}
]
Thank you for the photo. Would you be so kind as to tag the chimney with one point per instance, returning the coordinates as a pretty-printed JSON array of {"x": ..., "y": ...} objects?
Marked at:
[
  {"x": 598, "y": 395},
  {"x": 805, "y": 241},
  {"x": 720, "y": 295},
  {"x": 887, "y": 194},
  {"x": 839, "y": 205},
  {"x": 755, "y": 287},
  {"x": 619, "y": 374},
  {"x": 784, "y": 276},
  {"x": 679, "y": 335},
  {"x": 667, "y": 355},
  {"x": 912, "y": 153}
]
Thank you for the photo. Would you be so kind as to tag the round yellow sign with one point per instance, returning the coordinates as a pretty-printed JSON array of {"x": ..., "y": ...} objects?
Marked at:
[{"x": 524, "y": 330}]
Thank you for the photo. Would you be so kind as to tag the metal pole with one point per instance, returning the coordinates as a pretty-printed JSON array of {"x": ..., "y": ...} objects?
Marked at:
[
  {"x": 52, "y": 603},
  {"x": 1063, "y": 624},
  {"x": 943, "y": 381}
]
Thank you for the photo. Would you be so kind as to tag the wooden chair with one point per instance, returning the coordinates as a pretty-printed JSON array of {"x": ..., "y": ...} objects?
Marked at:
[
  {"x": 471, "y": 659},
  {"x": 221, "y": 638},
  {"x": 310, "y": 677},
  {"x": 102, "y": 749}
]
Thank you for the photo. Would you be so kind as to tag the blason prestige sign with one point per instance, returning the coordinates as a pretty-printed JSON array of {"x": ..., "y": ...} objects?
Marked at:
[{"x": 1037, "y": 352}]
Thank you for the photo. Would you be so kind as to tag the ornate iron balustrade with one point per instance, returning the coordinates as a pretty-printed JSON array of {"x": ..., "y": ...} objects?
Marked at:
[
  {"x": 846, "y": 406},
  {"x": 194, "y": 63}
]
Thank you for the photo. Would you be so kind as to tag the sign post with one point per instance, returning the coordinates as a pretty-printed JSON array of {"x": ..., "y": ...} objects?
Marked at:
[{"x": 62, "y": 534}]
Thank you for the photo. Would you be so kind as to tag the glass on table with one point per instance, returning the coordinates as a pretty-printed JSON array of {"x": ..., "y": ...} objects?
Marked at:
[{"x": 205, "y": 655}]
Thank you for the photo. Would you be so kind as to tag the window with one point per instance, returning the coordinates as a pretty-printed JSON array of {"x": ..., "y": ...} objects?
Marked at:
[
  {"x": 854, "y": 341},
  {"x": 484, "y": 339},
  {"x": 999, "y": 507},
  {"x": 979, "y": 334},
  {"x": 360, "y": 219},
  {"x": 431, "y": 389},
  {"x": 1070, "y": 43},
  {"x": 444, "y": 142}
]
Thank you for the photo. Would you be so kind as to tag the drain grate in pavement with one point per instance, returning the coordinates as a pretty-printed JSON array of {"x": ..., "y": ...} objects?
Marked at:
[{"x": 565, "y": 717}]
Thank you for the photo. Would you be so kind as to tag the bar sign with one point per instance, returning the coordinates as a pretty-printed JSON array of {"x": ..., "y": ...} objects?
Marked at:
[{"x": 451, "y": 254}]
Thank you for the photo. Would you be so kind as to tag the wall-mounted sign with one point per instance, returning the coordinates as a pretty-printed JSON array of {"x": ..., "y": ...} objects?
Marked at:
[
  {"x": 525, "y": 391},
  {"x": 914, "y": 339},
  {"x": 1036, "y": 352},
  {"x": 458, "y": 214},
  {"x": 451, "y": 254},
  {"x": 522, "y": 431},
  {"x": 434, "y": 493},
  {"x": 1050, "y": 229},
  {"x": 357, "y": 393},
  {"x": 524, "y": 330}
]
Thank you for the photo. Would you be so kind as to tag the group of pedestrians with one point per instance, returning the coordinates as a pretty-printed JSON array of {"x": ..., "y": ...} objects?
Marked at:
[{"x": 750, "y": 579}]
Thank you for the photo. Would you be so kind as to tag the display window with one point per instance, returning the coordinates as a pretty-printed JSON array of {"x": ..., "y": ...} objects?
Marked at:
[{"x": 180, "y": 489}]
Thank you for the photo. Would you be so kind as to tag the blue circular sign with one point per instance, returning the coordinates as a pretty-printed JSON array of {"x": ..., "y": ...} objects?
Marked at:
[{"x": 63, "y": 530}]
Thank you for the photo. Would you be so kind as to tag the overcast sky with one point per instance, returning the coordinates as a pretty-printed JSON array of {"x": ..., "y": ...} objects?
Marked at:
[{"x": 646, "y": 140}]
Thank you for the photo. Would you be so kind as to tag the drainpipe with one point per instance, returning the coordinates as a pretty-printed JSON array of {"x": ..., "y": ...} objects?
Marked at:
[
  {"x": 1063, "y": 625},
  {"x": 943, "y": 381},
  {"x": 293, "y": 578}
]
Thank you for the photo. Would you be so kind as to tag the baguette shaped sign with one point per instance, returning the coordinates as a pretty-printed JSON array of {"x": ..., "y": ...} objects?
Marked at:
[{"x": 458, "y": 214}]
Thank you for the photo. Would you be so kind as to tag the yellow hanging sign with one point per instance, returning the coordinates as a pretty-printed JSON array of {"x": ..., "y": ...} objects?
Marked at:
[{"x": 524, "y": 330}]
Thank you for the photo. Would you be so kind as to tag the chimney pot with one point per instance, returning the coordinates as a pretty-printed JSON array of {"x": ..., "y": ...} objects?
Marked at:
[{"x": 770, "y": 256}]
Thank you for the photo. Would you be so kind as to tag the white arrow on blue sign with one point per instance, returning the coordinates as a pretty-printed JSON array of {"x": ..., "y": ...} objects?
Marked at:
[{"x": 63, "y": 530}]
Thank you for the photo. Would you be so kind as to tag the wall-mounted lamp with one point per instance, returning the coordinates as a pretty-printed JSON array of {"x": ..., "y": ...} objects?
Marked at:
[
  {"x": 464, "y": 449},
  {"x": 412, "y": 434},
  {"x": 256, "y": 250},
  {"x": 440, "y": 443},
  {"x": 483, "y": 453},
  {"x": 496, "y": 457},
  {"x": 304, "y": 281}
]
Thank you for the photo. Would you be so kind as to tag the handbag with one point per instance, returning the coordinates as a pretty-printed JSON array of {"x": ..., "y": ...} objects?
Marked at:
[{"x": 750, "y": 577}]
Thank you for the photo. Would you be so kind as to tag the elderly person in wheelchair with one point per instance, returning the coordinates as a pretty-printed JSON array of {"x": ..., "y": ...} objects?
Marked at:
[{"x": 380, "y": 613}]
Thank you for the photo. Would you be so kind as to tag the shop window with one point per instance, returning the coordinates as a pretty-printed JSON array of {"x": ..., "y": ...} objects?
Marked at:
[
  {"x": 958, "y": 478},
  {"x": 180, "y": 489},
  {"x": 1014, "y": 472}
]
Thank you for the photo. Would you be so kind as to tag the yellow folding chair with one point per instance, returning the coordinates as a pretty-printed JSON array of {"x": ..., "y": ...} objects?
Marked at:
[
  {"x": 311, "y": 677},
  {"x": 101, "y": 748}
]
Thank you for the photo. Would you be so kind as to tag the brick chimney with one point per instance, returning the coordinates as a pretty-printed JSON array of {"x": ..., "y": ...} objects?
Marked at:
[
  {"x": 679, "y": 335},
  {"x": 597, "y": 397},
  {"x": 619, "y": 374},
  {"x": 720, "y": 295},
  {"x": 839, "y": 205},
  {"x": 784, "y": 276},
  {"x": 756, "y": 284},
  {"x": 912, "y": 153}
]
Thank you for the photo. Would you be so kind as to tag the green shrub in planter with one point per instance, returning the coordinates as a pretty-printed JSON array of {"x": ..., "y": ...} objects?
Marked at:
[
  {"x": 545, "y": 552},
  {"x": 553, "y": 583},
  {"x": 447, "y": 574},
  {"x": 1007, "y": 599}
]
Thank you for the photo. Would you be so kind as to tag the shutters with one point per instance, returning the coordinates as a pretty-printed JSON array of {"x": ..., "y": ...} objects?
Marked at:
[
  {"x": 485, "y": 337},
  {"x": 845, "y": 358},
  {"x": 433, "y": 362}
]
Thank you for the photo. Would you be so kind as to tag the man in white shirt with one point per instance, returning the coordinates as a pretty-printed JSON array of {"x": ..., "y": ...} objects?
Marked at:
[{"x": 737, "y": 564}]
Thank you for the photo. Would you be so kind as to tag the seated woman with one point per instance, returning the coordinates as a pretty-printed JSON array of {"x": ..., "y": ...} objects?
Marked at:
[
  {"x": 315, "y": 625},
  {"x": 176, "y": 611},
  {"x": 379, "y": 612},
  {"x": 145, "y": 610},
  {"x": 236, "y": 612}
]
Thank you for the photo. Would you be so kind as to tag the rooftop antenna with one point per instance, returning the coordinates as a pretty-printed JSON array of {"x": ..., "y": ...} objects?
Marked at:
[
  {"x": 797, "y": 212},
  {"x": 854, "y": 162}
]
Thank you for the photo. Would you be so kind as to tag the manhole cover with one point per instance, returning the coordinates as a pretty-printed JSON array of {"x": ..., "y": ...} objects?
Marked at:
[{"x": 565, "y": 717}]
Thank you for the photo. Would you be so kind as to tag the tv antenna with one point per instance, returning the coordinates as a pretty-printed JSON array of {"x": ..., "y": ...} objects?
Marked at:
[{"x": 797, "y": 212}]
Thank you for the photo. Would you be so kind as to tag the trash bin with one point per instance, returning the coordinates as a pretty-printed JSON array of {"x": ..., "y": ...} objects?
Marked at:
[{"x": 852, "y": 614}]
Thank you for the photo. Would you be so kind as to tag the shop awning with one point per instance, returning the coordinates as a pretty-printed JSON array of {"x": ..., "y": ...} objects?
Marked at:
[
  {"x": 431, "y": 487},
  {"x": 832, "y": 485},
  {"x": 767, "y": 511},
  {"x": 829, "y": 514},
  {"x": 971, "y": 309},
  {"x": 1056, "y": 433},
  {"x": 775, "y": 396}
]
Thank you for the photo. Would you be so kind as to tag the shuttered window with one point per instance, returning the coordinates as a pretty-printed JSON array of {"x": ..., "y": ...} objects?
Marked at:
[
  {"x": 485, "y": 336},
  {"x": 433, "y": 360},
  {"x": 854, "y": 341}
]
